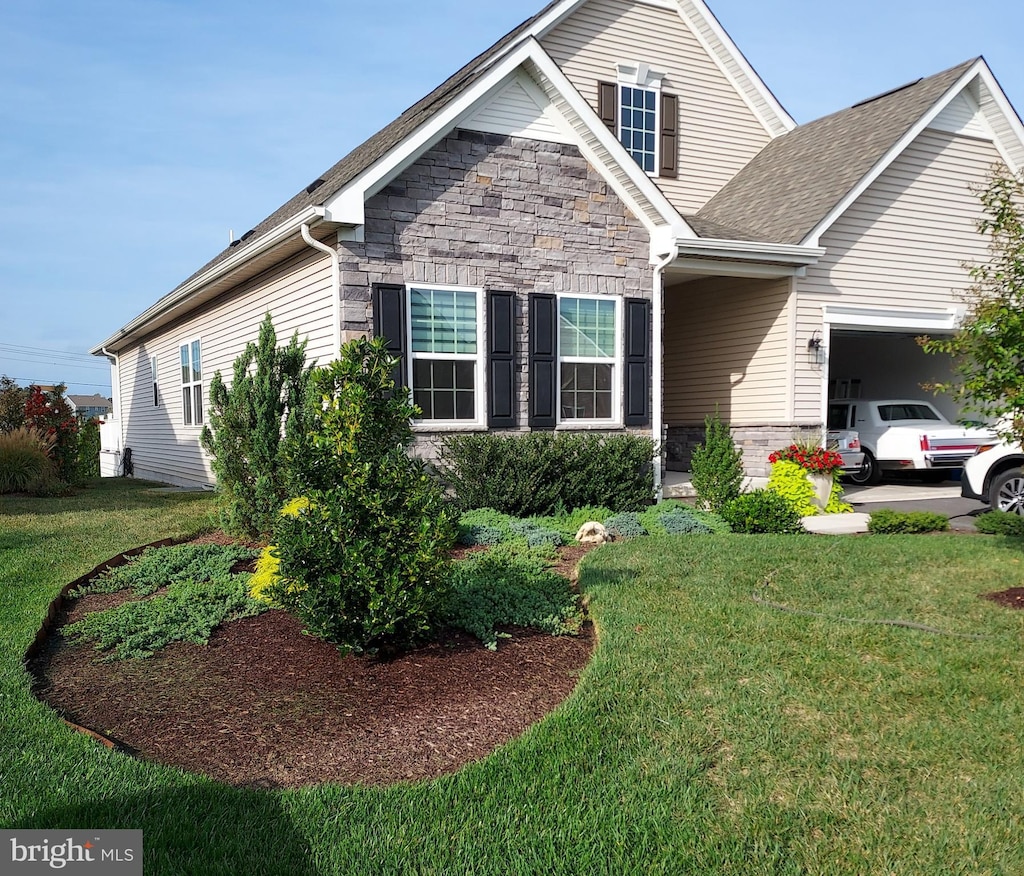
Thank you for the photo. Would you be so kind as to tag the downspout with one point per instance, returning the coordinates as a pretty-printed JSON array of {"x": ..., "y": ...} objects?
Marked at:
[
  {"x": 658, "y": 365},
  {"x": 335, "y": 282},
  {"x": 115, "y": 391}
]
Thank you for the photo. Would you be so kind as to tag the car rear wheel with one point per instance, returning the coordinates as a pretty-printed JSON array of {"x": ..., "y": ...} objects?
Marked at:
[
  {"x": 1007, "y": 492},
  {"x": 869, "y": 472}
]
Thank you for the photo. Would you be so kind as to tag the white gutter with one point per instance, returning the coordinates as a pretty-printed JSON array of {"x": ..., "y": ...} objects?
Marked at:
[
  {"x": 658, "y": 365},
  {"x": 115, "y": 391},
  {"x": 785, "y": 253},
  {"x": 335, "y": 282}
]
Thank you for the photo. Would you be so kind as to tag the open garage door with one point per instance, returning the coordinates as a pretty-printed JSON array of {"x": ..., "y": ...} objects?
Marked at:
[{"x": 886, "y": 364}]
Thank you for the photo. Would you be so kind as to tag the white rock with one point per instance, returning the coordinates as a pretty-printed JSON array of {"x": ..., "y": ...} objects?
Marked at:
[{"x": 592, "y": 533}]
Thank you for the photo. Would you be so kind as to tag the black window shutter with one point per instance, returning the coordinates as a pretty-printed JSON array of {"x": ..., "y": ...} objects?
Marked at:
[
  {"x": 389, "y": 323},
  {"x": 608, "y": 104},
  {"x": 669, "y": 145},
  {"x": 501, "y": 359},
  {"x": 637, "y": 379},
  {"x": 543, "y": 360}
]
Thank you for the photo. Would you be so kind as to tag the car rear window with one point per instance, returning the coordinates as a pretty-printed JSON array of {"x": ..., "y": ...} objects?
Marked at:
[
  {"x": 907, "y": 411},
  {"x": 837, "y": 416}
]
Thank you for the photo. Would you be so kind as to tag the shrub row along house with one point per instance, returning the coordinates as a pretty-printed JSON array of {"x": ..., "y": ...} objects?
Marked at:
[{"x": 605, "y": 221}]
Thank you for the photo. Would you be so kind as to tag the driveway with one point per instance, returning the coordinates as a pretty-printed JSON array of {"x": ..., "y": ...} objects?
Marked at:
[{"x": 942, "y": 498}]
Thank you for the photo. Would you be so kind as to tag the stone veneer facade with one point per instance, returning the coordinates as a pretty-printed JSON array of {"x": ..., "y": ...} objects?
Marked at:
[
  {"x": 756, "y": 442},
  {"x": 500, "y": 213}
]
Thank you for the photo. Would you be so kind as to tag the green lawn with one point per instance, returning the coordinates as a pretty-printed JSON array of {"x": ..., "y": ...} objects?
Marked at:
[{"x": 710, "y": 734}]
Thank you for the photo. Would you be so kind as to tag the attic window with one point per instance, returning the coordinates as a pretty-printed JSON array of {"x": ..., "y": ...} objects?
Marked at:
[{"x": 643, "y": 117}]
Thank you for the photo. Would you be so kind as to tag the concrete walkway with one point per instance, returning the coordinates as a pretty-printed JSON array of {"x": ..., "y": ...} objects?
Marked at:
[{"x": 943, "y": 498}]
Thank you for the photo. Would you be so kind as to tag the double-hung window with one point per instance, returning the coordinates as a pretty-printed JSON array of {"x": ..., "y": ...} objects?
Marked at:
[
  {"x": 588, "y": 351},
  {"x": 446, "y": 353},
  {"x": 192, "y": 383}
]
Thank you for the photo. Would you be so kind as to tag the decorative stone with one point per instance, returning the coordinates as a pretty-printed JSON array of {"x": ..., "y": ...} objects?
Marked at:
[{"x": 592, "y": 533}]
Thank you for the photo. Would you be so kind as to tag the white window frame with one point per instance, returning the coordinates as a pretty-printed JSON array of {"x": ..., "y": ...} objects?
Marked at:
[
  {"x": 190, "y": 417},
  {"x": 479, "y": 359},
  {"x": 616, "y": 361},
  {"x": 637, "y": 74},
  {"x": 153, "y": 375}
]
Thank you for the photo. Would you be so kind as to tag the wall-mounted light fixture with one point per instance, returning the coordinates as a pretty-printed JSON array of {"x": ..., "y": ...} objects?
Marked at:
[{"x": 816, "y": 348}]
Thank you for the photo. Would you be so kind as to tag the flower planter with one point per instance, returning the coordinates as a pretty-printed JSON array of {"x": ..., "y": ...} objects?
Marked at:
[{"x": 822, "y": 484}]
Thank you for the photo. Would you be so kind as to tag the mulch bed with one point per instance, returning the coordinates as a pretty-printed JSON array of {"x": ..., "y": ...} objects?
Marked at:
[
  {"x": 1012, "y": 598},
  {"x": 264, "y": 705}
]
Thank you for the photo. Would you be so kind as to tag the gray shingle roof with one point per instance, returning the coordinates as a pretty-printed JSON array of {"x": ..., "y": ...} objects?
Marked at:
[
  {"x": 800, "y": 177},
  {"x": 377, "y": 146}
]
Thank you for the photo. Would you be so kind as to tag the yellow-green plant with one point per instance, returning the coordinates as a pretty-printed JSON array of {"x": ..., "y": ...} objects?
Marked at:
[{"x": 789, "y": 480}]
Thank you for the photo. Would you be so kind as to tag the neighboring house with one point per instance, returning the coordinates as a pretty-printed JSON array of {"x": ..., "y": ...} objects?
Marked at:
[
  {"x": 89, "y": 406},
  {"x": 605, "y": 221}
]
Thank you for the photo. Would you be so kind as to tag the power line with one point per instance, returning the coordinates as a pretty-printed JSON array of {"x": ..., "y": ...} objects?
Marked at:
[
  {"x": 24, "y": 349},
  {"x": 28, "y": 381}
]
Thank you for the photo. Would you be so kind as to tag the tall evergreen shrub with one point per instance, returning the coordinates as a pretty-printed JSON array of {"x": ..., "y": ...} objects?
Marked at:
[
  {"x": 716, "y": 466},
  {"x": 363, "y": 544},
  {"x": 245, "y": 426}
]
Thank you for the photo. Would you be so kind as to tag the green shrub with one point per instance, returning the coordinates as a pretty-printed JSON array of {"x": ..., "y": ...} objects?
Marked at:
[
  {"x": 484, "y": 526},
  {"x": 568, "y": 524},
  {"x": 1000, "y": 523},
  {"x": 682, "y": 523},
  {"x": 628, "y": 524},
  {"x": 510, "y": 588},
  {"x": 24, "y": 460},
  {"x": 535, "y": 534},
  {"x": 717, "y": 466},
  {"x": 651, "y": 518},
  {"x": 158, "y": 567},
  {"x": 761, "y": 511},
  {"x": 89, "y": 450},
  {"x": 885, "y": 521},
  {"x": 364, "y": 554},
  {"x": 12, "y": 404},
  {"x": 244, "y": 430},
  {"x": 188, "y": 612},
  {"x": 542, "y": 473}
]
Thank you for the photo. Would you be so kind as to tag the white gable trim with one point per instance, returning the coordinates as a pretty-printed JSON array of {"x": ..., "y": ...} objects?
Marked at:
[
  {"x": 737, "y": 70},
  {"x": 964, "y": 117},
  {"x": 891, "y": 318},
  {"x": 1009, "y": 141},
  {"x": 622, "y": 173}
]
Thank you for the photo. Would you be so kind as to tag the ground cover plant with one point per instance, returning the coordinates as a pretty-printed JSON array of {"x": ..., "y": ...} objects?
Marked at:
[{"x": 711, "y": 733}]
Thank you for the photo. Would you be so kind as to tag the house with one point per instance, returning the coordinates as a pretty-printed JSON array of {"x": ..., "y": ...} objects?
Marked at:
[
  {"x": 88, "y": 406},
  {"x": 605, "y": 221}
]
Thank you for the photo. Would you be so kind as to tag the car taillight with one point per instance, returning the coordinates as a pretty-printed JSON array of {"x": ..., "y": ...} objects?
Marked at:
[
  {"x": 854, "y": 444},
  {"x": 924, "y": 443}
]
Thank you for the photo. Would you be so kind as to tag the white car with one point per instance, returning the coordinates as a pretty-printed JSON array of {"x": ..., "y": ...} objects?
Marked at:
[
  {"x": 846, "y": 443},
  {"x": 995, "y": 476},
  {"x": 905, "y": 435}
]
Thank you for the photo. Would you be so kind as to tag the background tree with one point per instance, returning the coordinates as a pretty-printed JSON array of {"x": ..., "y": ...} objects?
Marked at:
[
  {"x": 988, "y": 349},
  {"x": 12, "y": 404},
  {"x": 50, "y": 414},
  {"x": 245, "y": 429}
]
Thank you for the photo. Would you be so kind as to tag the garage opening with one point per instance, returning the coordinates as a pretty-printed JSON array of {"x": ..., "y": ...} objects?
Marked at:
[{"x": 886, "y": 364}]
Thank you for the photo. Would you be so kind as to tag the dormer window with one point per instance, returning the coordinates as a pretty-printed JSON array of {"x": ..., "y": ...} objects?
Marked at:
[{"x": 643, "y": 117}]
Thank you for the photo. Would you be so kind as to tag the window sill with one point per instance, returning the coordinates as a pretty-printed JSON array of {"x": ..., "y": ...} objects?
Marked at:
[
  {"x": 591, "y": 425},
  {"x": 448, "y": 427}
]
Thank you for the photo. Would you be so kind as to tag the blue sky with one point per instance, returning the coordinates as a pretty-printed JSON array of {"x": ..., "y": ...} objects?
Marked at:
[{"x": 134, "y": 134}]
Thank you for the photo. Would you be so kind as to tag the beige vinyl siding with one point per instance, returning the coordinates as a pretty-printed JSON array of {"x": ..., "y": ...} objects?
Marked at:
[
  {"x": 297, "y": 294},
  {"x": 902, "y": 244},
  {"x": 515, "y": 113},
  {"x": 726, "y": 344},
  {"x": 718, "y": 132}
]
